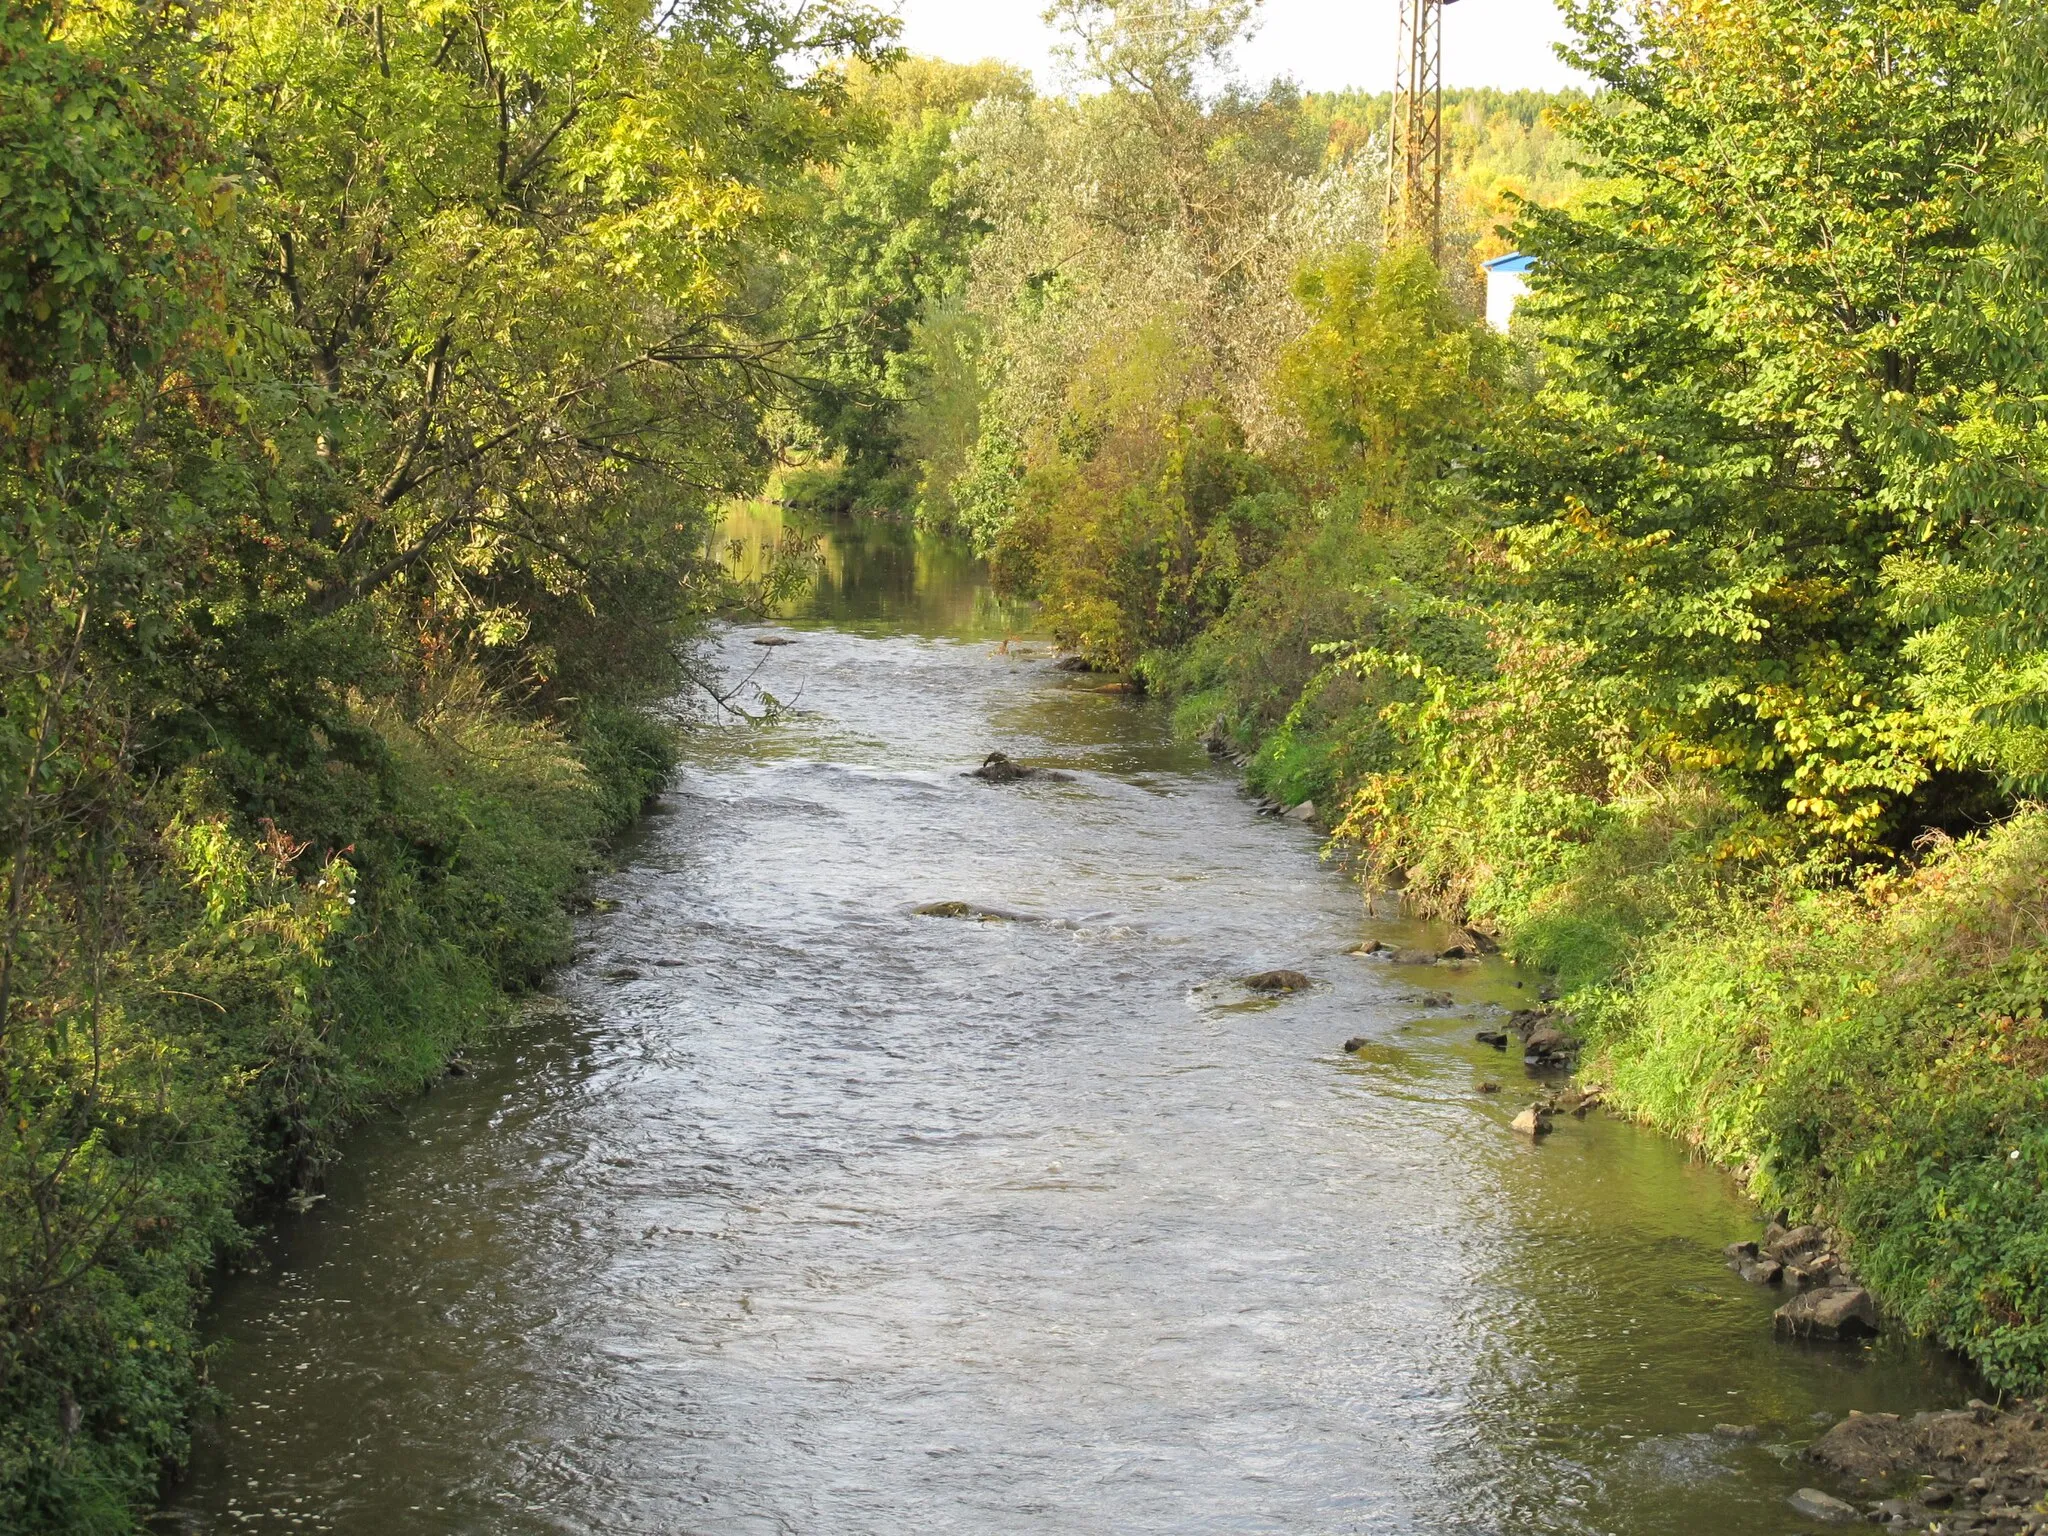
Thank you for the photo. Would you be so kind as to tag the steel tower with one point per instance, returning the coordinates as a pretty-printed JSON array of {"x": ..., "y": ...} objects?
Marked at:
[{"x": 1415, "y": 133}]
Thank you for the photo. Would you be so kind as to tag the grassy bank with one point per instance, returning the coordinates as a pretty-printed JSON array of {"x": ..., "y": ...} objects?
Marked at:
[
  {"x": 1874, "y": 1058},
  {"x": 1865, "y": 1047},
  {"x": 253, "y": 1001}
]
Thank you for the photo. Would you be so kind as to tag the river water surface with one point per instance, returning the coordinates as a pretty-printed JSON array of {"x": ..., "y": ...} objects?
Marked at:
[{"x": 794, "y": 1212}]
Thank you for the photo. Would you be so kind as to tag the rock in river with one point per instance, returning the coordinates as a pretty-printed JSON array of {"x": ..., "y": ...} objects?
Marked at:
[
  {"x": 969, "y": 909},
  {"x": 1278, "y": 981},
  {"x": 1547, "y": 1045},
  {"x": 1752, "y": 1266},
  {"x": 1839, "y": 1312},
  {"x": 1796, "y": 1246},
  {"x": 1532, "y": 1122},
  {"x": 1815, "y": 1505},
  {"x": 997, "y": 768}
]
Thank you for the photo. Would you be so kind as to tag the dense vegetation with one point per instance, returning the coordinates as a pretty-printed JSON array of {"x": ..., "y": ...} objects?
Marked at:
[
  {"x": 1691, "y": 637},
  {"x": 369, "y": 378}
]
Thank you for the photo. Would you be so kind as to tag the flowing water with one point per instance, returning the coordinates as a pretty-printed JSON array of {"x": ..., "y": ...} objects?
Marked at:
[{"x": 793, "y": 1211}]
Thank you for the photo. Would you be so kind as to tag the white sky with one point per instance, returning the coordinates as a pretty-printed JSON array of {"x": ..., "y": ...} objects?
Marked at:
[{"x": 1324, "y": 44}]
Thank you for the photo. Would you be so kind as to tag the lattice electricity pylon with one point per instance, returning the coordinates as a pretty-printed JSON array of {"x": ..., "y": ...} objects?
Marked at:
[{"x": 1415, "y": 132}]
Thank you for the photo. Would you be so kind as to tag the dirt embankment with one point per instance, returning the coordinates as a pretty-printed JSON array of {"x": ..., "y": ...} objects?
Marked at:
[{"x": 1981, "y": 1470}]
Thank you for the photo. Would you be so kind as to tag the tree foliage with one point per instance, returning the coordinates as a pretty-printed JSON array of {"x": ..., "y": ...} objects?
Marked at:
[
  {"x": 886, "y": 249},
  {"x": 1755, "y": 382},
  {"x": 368, "y": 380}
]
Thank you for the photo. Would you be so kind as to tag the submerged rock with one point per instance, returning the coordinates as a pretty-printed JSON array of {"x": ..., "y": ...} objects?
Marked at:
[
  {"x": 997, "y": 768},
  {"x": 968, "y": 909},
  {"x": 1413, "y": 957},
  {"x": 1278, "y": 981},
  {"x": 1815, "y": 1505},
  {"x": 1578, "y": 1101},
  {"x": 1839, "y": 1312},
  {"x": 1356, "y": 1043},
  {"x": 1998, "y": 1453},
  {"x": 1489, "y": 1087}
]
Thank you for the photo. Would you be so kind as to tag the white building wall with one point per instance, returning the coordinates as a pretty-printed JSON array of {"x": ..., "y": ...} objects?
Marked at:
[{"x": 1502, "y": 290}]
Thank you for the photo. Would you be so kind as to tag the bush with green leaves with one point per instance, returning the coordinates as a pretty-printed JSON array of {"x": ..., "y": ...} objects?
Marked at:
[{"x": 369, "y": 384}]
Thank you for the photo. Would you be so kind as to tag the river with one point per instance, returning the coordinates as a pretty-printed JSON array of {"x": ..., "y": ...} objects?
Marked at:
[{"x": 791, "y": 1211}]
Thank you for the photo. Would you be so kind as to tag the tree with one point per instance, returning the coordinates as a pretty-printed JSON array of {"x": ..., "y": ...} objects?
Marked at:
[
  {"x": 112, "y": 285},
  {"x": 1747, "y": 353},
  {"x": 888, "y": 245},
  {"x": 1164, "y": 215},
  {"x": 506, "y": 246},
  {"x": 1979, "y": 601}
]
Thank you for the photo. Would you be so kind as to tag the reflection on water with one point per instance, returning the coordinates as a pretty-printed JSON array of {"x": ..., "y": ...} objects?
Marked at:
[
  {"x": 876, "y": 576},
  {"x": 793, "y": 1211}
]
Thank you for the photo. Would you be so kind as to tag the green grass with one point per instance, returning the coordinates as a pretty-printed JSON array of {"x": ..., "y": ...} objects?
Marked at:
[{"x": 1875, "y": 1058}]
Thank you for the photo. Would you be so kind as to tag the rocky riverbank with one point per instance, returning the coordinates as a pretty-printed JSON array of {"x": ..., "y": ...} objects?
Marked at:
[{"x": 1981, "y": 1470}]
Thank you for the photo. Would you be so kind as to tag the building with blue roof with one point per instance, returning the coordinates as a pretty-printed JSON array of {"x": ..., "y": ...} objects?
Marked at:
[{"x": 1507, "y": 279}]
